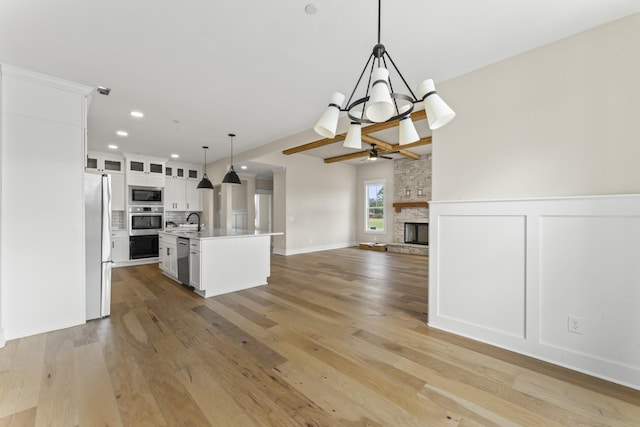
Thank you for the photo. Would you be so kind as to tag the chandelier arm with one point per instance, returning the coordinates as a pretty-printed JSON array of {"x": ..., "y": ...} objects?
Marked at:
[
  {"x": 358, "y": 83},
  {"x": 415, "y": 99}
]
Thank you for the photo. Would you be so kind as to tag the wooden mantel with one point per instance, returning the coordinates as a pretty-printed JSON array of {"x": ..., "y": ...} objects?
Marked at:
[{"x": 401, "y": 205}]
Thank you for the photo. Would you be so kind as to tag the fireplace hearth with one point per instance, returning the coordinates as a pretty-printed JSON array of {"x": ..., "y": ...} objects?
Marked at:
[{"x": 416, "y": 233}]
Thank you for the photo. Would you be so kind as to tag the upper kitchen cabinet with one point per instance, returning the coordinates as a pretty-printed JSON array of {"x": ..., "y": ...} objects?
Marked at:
[
  {"x": 181, "y": 192},
  {"x": 145, "y": 171},
  {"x": 104, "y": 162}
]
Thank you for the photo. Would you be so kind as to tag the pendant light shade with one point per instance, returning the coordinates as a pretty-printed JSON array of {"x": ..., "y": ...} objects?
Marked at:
[
  {"x": 328, "y": 122},
  {"x": 231, "y": 177},
  {"x": 354, "y": 136},
  {"x": 380, "y": 107},
  {"x": 407, "y": 131},
  {"x": 438, "y": 112},
  {"x": 204, "y": 183}
]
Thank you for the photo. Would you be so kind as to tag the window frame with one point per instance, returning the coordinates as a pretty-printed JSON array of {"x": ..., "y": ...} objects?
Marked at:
[{"x": 367, "y": 184}]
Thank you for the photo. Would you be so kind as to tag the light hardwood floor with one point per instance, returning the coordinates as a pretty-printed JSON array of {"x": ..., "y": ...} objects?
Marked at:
[{"x": 337, "y": 338}]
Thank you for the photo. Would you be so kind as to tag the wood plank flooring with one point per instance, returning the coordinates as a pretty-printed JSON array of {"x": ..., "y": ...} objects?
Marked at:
[{"x": 337, "y": 338}]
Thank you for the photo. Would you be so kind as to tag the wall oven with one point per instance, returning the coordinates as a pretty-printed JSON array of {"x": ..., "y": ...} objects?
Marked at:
[
  {"x": 144, "y": 224},
  {"x": 145, "y": 220},
  {"x": 145, "y": 196}
]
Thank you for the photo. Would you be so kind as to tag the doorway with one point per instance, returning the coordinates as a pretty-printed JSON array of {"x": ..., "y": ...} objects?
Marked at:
[{"x": 263, "y": 204}]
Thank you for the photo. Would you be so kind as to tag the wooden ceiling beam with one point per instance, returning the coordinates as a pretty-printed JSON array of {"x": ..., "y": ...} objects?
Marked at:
[
  {"x": 423, "y": 141},
  {"x": 396, "y": 147},
  {"x": 376, "y": 127},
  {"x": 315, "y": 144},
  {"x": 384, "y": 145},
  {"x": 349, "y": 156},
  {"x": 409, "y": 154}
]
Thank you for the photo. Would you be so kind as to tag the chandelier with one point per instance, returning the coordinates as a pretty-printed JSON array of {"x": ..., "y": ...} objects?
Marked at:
[{"x": 381, "y": 103}]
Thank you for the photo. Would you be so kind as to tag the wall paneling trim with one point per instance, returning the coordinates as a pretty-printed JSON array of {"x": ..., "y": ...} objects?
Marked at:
[{"x": 557, "y": 279}]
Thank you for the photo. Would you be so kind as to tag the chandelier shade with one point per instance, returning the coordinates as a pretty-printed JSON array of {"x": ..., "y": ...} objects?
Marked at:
[
  {"x": 328, "y": 122},
  {"x": 205, "y": 183},
  {"x": 375, "y": 100},
  {"x": 438, "y": 112},
  {"x": 231, "y": 177},
  {"x": 354, "y": 136},
  {"x": 380, "y": 107},
  {"x": 407, "y": 131}
]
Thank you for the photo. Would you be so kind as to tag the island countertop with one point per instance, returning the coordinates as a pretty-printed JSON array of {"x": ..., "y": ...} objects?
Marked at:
[{"x": 217, "y": 233}]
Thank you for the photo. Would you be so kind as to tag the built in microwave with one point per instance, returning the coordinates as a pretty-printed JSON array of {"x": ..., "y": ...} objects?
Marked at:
[{"x": 145, "y": 196}]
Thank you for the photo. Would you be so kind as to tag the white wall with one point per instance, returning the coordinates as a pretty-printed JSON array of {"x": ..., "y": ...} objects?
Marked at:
[
  {"x": 558, "y": 120},
  {"x": 42, "y": 228},
  {"x": 313, "y": 201},
  {"x": 320, "y": 203},
  {"x": 379, "y": 169},
  {"x": 561, "y": 120}
]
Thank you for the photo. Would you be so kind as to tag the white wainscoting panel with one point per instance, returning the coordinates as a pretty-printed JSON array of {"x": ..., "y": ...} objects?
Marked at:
[
  {"x": 590, "y": 269},
  {"x": 482, "y": 262},
  {"x": 513, "y": 272}
]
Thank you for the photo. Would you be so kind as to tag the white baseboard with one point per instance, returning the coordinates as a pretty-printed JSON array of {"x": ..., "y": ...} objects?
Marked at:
[
  {"x": 136, "y": 262},
  {"x": 313, "y": 249}
]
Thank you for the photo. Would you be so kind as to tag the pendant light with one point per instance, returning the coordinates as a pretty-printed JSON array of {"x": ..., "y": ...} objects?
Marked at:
[
  {"x": 204, "y": 183},
  {"x": 231, "y": 177}
]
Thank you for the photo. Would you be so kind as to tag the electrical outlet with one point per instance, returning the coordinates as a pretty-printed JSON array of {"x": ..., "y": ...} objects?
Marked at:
[{"x": 574, "y": 324}]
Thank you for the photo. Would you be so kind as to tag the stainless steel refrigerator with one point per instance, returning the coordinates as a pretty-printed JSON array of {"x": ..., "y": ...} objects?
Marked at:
[{"x": 97, "y": 214}]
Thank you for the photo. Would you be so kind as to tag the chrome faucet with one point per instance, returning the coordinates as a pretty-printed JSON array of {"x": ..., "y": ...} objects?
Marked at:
[{"x": 196, "y": 214}]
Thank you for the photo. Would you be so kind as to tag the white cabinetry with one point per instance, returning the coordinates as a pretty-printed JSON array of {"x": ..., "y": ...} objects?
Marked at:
[
  {"x": 119, "y": 246},
  {"x": 145, "y": 171},
  {"x": 168, "y": 254},
  {"x": 104, "y": 162},
  {"x": 194, "y": 263},
  {"x": 112, "y": 164},
  {"x": 181, "y": 188}
]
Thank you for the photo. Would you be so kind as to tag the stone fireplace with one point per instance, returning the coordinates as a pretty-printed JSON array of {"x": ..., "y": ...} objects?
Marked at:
[{"x": 412, "y": 189}]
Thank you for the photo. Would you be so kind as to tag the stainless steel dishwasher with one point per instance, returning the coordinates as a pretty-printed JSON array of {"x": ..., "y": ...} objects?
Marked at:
[{"x": 183, "y": 260}]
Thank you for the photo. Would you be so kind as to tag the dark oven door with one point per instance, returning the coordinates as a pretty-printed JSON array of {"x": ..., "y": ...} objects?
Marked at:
[{"x": 143, "y": 247}]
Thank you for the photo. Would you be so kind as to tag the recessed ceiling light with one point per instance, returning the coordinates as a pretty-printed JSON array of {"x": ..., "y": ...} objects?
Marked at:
[
  {"x": 113, "y": 146},
  {"x": 122, "y": 133},
  {"x": 311, "y": 9},
  {"x": 137, "y": 114},
  {"x": 243, "y": 167},
  {"x": 175, "y": 156}
]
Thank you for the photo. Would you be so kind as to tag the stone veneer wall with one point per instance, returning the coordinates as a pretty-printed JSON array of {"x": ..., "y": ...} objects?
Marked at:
[{"x": 412, "y": 183}]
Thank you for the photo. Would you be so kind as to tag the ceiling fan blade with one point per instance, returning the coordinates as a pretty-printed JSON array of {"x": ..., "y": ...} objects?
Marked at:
[{"x": 386, "y": 157}]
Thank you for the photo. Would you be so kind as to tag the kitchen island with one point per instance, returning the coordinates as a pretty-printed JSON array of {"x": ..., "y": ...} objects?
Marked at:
[{"x": 219, "y": 261}]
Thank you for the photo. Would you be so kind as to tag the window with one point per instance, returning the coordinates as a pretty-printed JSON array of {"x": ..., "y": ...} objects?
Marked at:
[{"x": 374, "y": 206}]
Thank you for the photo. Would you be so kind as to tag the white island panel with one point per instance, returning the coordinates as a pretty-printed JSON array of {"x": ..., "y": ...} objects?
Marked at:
[{"x": 229, "y": 265}]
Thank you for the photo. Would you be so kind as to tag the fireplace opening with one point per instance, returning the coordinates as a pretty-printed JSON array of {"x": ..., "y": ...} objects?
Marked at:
[{"x": 416, "y": 233}]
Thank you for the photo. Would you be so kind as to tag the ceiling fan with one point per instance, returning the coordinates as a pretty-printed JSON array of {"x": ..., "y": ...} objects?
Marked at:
[{"x": 374, "y": 154}]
